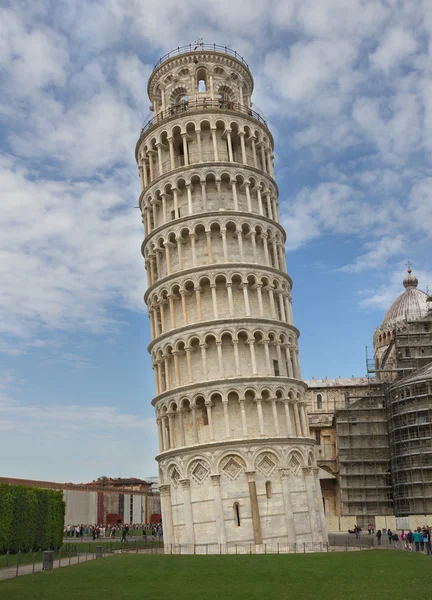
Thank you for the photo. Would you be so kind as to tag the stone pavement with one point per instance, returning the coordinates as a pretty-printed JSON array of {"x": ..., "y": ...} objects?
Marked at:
[{"x": 11, "y": 572}]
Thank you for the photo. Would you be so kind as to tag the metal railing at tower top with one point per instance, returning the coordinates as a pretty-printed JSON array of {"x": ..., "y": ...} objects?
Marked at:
[
  {"x": 199, "y": 47},
  {"x": 202, "y": 104}
]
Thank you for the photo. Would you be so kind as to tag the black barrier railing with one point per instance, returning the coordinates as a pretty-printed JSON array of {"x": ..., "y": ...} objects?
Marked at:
[
  {"x": 246, "y": 548},
  {"x": 13, "y": 564},
  {"x": 340, "y": 539},
  {"x": 199, "y": 47},
  {"x": 201, "y": 104}
]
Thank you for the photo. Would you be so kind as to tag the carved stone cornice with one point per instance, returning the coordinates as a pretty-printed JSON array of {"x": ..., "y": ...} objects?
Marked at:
[{"x": 165, "y": 490}]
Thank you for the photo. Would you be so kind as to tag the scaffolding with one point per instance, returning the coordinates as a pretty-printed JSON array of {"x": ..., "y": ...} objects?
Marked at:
[
  {"x": 409, "y": 411},
  {"x": 405, "y": 372},
  {"x": 364, "y": 456}
]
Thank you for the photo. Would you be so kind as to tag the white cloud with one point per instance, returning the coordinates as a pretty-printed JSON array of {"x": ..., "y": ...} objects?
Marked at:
[
  {"x": 31, "y": 57},
  {"x": 392, "y": 287},
  {"x": 310, "y": 69},
  {"x": 68, "y": 250},
  {"x": 396, "y": 46},
  {"x": 331, "y": 207},
  {"x": 377, "y": 253}
]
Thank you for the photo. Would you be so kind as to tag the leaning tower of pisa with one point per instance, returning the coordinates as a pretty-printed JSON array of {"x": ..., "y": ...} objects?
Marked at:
[{"x": 236, "y": 460}]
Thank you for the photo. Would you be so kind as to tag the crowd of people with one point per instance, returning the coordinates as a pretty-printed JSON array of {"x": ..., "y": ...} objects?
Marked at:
[
  {"x": 112, "y": 531},
  {"x": 79, "y": 531},
  {"x": 419, "y": 540}
]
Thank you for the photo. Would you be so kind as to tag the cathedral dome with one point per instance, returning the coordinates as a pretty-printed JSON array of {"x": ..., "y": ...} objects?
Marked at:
[{"x": 410, "y": 305}]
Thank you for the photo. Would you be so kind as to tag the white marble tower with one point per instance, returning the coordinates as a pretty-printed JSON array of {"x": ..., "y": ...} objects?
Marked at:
[{"x": 236, "y": 459}]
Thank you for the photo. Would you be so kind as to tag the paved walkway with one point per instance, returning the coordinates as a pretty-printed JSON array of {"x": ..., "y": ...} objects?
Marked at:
[
  {"x": 11, "y": 572},
  {"x": 28, "y": 569}
]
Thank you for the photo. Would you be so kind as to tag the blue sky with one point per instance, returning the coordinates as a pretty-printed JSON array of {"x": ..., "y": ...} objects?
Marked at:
[{"x": 346, "y": 86}]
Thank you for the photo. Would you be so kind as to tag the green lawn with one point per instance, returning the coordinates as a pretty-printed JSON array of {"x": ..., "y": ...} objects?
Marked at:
[{"x": 335, "y": 576}]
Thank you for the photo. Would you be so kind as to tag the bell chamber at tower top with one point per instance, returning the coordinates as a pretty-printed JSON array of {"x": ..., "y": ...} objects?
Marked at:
[{"x": 202, "y": 113}]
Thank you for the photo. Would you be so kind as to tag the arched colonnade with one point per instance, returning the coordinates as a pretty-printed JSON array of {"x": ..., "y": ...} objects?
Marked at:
[
  {"x": 224, "y": 353},
  {"x": 206, "y": 191},
  {"x": 199, "y": 298},
  {"x": 230, "y": 413},
  {"x": 197, "y": 141},
  {"x": 222, "y": 240}
]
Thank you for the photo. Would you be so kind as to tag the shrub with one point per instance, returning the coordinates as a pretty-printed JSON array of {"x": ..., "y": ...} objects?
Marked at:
[{"x": 30, "y": 518}]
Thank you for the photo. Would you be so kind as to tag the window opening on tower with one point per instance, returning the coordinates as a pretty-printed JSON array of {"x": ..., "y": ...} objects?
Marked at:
[
  {"x": 319, "y": 401},
  {"x": 276, "y": 367},
  {"x": 237, "y": 514},
  {"x": 205, "y": 415},
  {"x": 269, "y": 492},
  {"x": 202, "y": 80}
]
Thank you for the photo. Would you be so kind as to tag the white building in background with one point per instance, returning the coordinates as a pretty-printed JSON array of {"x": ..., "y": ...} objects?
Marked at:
[{"x": 237, "y": 461}]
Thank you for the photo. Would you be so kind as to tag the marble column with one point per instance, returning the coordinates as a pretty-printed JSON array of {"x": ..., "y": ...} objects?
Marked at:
[
  {"x": 256, "y": 522},
  {"x": 243, "y": 416},
  {"x": 166, "y": 506},
  {"x": 275, "y": 415},
  {"x": 319, "y": 505},
  {"x": 309, "y": 484},
  {"x": 285, "y": 475},
  {"x": 189, "y": 535},
  {"x": 218, "y": 510},
  {"x": 226, "y": 418}
]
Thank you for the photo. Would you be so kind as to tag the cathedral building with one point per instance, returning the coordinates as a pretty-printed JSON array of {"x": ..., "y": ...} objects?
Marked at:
[
  {"x": 374, "y": 434},
  {"x": 237, "y": 462}
]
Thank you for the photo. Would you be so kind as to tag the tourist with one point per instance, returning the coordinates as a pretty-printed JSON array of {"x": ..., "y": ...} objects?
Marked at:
[
  {"x": 416, "y": 539},
  {"x": 410, "y": 538},
  {"x": 428, "y": 542},
  {"x": 378, "y": 537},
  {"x": 389, "y": 535},
  {"x": 421, "y": 541},
  {"x": 395, "y": 539},
  {"x": 125, "y": 531},
  {"x": 403, "y": 539}
]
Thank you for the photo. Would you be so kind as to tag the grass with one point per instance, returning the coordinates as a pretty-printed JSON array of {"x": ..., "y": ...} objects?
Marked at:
[
  {"x": 81, "y": 547},
  {"x": 333, "y": 576}
]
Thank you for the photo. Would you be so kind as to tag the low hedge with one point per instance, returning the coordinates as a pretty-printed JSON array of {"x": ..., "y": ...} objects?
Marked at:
[{"x": 30, "y": 518}]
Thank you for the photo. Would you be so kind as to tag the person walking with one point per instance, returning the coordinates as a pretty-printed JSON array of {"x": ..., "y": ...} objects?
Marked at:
[
  {"x": 389, "y": 535},
  {"x": 421, "y": 541},
  {"x": 378, "y": 537},
  {"x": 403, "y": 539},
  {"x": 410, "y": 538},
  {"x": 428, "y": 542},
  {"x": 124, "y": 533},
  {"x": 416, "y": 540},
  {"x": 395, "y": 539}
]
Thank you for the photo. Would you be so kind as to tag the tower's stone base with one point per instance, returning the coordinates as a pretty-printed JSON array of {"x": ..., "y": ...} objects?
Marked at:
[{"x": 242, "y": 497}]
